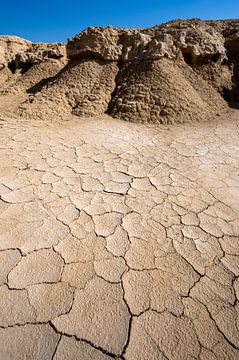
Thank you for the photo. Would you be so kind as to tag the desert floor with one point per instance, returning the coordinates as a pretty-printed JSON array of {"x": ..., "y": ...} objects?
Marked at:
[{"x": 119, "y": 240}]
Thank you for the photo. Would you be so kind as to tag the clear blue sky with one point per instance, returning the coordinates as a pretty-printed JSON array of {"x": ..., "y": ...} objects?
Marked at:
[{"x": 56, "y": 20}]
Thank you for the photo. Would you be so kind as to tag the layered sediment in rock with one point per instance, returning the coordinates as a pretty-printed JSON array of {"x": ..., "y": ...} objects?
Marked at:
[{"x": 181, "y": 71}]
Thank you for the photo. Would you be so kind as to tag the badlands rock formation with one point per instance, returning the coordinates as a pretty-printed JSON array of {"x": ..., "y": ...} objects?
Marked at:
[
  {"x": 24, "y": 64},
  {"x": 181, "y": 71},
  {"x": 120, "y": 240}
]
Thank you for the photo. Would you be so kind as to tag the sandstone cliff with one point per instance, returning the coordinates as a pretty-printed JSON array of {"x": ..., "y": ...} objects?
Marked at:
[{"x": 181, "y": 71}]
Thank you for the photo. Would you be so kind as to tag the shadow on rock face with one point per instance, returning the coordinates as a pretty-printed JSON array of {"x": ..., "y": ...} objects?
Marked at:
[{"x": 181, "y": 71}]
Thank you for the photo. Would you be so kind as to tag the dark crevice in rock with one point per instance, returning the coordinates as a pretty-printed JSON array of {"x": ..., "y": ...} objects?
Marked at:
[
  {"x": 87, "y": 55},
  {"x": 192, "y": 60},
  {"x": 188, "y": 57},
  {"x": 231, "y": 95},
  {"x": 23, "y": 67},
  {"x": 12, "y": 66},
  {"x": 226, "y": 94},
  {"x": 120, "y": 65}
]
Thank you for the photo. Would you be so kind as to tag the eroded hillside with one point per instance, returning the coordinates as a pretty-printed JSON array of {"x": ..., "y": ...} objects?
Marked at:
[{"x": 181, "y": 71}]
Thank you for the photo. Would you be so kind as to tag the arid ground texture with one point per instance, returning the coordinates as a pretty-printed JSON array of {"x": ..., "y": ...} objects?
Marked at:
[{"x": 119, "y": 194}]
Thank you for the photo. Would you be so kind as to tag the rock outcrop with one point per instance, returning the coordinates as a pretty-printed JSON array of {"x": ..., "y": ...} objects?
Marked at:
[
  {"x": 24, "y": 64},
  {"x": 181, "y": 71},
  {"x": 194, "y": 37}
]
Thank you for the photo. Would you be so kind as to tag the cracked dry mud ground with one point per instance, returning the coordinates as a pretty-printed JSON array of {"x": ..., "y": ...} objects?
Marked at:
[{"x": 119, "y": 240}]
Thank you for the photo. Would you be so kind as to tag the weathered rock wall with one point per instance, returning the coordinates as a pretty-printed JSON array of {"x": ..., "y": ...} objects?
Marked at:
[
  {"x": 24, "y": 64},
  {"x": 163, "y": 91},
  {"x": 181, "y": 71},
  {"x": 82, "y": 87}
]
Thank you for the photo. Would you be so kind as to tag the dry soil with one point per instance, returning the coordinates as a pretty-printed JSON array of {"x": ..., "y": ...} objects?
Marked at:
[{"x": 118, "y": 240}]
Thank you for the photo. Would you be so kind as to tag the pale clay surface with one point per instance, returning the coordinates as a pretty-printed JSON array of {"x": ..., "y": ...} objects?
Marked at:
[{"x": 119, "y": 240}]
